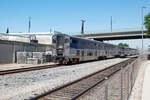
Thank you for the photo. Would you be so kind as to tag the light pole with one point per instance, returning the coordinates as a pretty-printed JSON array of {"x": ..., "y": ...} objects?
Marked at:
[
  {"x": 29, "y": 28},
  {"x": 82, "y": 26},
  {"x": 143, "y": 7},
  {"x": 111, "y": 23}
]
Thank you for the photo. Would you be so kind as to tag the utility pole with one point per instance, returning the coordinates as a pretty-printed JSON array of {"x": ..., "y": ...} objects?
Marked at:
[
  {"x": 29, "y": 28},
  {"x": 50, "y": 30},
  {"x": 111, "y": 23},
  {"x": 82, "y": 27},
  {"x": 142, "y": 15}
]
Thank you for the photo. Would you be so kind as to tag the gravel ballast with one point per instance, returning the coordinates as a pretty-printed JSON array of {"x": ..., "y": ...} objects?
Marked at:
[{"x": 28, "y": 84}]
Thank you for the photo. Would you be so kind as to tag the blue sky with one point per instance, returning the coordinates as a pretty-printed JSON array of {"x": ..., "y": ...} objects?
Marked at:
[{"x": 65, "y": 15}]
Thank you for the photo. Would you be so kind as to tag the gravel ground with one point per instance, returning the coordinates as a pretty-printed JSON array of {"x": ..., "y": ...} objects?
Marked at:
[{"x": 28, "y": 84}]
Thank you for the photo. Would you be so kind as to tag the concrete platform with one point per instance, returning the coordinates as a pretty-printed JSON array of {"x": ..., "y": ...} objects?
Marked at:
[
  {"x": 141, "y": 89},
  {"x": 17, "y": 66},
  {"x": 146, "y": 84}
]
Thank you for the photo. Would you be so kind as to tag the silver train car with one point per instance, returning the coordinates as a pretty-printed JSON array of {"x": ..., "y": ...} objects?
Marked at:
[{"x": 68, "y": 49}]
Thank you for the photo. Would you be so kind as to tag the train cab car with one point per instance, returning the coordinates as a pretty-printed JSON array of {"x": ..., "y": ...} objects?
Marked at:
[
  {"x": 68, "y": 49},
  {"x": 60, "y": 47}
]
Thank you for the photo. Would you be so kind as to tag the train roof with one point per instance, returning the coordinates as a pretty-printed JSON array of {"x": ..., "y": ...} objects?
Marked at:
[
  {"x": 94, "y": 41},
  {"x": 78, "y": 38},
  {"x": 85, "y": 39}
]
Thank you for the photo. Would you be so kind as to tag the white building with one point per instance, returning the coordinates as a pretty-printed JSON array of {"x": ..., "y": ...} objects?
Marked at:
[{"x": 42, "y": 37}]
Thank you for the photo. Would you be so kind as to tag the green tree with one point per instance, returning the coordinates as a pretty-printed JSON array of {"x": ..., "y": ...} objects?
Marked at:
[
  {"x": 147, "y": 23},
  {"x": 123, "y": 45},
  {"x": 7, "y": 31}
]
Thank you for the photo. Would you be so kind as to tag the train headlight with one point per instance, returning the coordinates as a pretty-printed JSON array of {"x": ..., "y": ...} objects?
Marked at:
[
  {"x": 54, "y": 54},
  {"x": 64, "y": 54},
  {"x": 60, "y": 47}
]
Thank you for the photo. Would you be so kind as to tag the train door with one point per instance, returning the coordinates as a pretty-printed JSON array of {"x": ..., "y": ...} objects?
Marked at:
[{"x": 66, "y": 45}]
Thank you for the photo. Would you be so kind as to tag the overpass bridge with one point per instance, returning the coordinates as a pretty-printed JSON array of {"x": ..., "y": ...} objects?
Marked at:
[{"x": 137, "y": 34}]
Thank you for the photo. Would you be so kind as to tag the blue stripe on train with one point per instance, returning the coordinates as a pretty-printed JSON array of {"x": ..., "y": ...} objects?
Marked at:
[{"x": 81, "y": 46}]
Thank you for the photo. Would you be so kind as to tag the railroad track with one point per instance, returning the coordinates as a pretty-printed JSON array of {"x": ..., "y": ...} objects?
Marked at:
[
  {"x": 75, "y": 89},
  {"x": 19, "y": 70}
]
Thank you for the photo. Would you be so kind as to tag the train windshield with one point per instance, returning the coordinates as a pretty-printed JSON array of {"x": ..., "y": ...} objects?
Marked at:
[
  {"x": 54, "y": 40},
  {"x": 66, "y": 40},
  {"x": 60, "y": 38},
  {"x": 60, "y": 41}
]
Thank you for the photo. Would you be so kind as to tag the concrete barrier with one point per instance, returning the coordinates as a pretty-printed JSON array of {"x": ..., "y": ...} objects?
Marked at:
[
  {"x": 148, "y": 56},
  {"x": 22, "y": 57},
  {"x": 9, "y": 49},
  {"x": 32, "y": 57}
]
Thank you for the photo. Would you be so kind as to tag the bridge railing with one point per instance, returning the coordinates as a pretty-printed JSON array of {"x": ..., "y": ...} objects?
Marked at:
[{"x": 105, "y": 31}]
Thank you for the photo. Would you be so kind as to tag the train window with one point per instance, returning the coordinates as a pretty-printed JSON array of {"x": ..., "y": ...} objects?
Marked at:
[
  {"x": 97, "y": 45},
  {"x": 89, "y": 53},
  {"x": 82, "y": 53},
  {"x": 78, "y": 52},
  {"x": 95, "y": 53},
  {"x": 74, "y": 41},
  {"x": 83, "y": 42},
  {"x": 90, "y": 44},
  {"x": 54, "y": 41},
  {"x": 66, "y": 40},
  {"x": 106, "y": 52},
  {"x": 93, "y": 44},
  {"x": 59, "y": 38}
]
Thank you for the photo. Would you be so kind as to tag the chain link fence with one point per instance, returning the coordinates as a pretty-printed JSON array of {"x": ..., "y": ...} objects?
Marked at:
[
  {"x": 119, "y": 88},
  {"x": 116, "y": 87}
]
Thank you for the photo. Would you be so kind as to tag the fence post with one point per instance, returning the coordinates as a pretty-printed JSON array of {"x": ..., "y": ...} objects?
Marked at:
[
  {"x": 133, "y": 73},
  {"x": 121, "y": 83},
  {"x": 106, "y": 88},
  {"x": 131, "y": 77},
  {"x": 128, "y": 82}
]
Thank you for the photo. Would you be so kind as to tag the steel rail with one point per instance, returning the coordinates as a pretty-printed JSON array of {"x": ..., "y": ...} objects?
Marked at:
[
  {"x": 19, "y": 70},
  {"x": 74, "y": 93},
  {"x": 98, "y": 82}
]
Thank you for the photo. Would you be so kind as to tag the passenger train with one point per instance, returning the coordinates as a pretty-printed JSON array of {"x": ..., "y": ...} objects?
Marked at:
[{"x": 68, "y": 49}]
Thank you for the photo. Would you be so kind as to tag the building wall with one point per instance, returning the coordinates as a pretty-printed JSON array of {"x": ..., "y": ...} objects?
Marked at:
[{"x": 9, "y": 49}]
